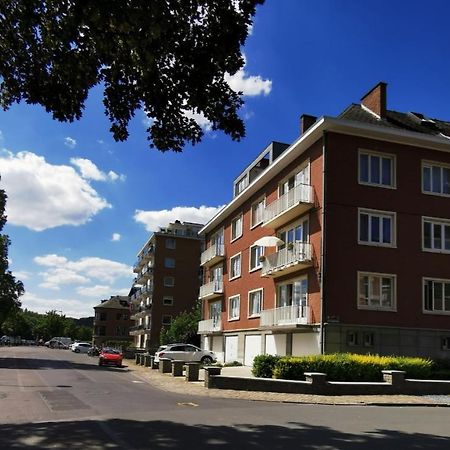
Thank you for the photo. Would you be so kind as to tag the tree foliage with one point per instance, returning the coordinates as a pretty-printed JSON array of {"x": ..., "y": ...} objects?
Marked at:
[
  {"x": 163, "y": 56},
  {"x": 183, "y": 328},
  {"x": 10, "y": 288}
]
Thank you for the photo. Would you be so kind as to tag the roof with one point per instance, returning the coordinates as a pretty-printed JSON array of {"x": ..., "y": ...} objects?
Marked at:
[{"x": 115, "y": 302}]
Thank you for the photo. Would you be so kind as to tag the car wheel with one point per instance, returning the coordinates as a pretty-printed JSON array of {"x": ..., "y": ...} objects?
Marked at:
[
  {"x": 77, "y": 350},
  {"x": 207, "y": 360}
]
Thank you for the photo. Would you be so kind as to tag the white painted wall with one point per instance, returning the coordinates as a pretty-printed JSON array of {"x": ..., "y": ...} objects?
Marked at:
[
  {"x": 252, "y": 348},
  {"x": 217, "y": 348},
  {"x": 207, "y": 343},
  {"x": 231, "y": 348},
  {"x": 276, "y": 344},
  {"x": 305, "y": 344}
]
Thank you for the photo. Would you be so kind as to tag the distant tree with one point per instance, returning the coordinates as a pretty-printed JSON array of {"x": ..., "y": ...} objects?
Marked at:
[
  {"x": 163, "y": 56},
  {"x": 84, "y": 334},
  {"x": 52, "y": 324},
  {"x": 183, "y": 328},
  {"x": 10, "y": 288},
  {"x": 16, "y": 324},
  {"x": 70, "y": 329}
]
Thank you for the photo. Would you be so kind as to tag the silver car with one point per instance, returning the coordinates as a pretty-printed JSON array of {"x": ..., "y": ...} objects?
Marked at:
[
  {"x": 81, "y": 347},
  {"x": 185, "y": 352}
]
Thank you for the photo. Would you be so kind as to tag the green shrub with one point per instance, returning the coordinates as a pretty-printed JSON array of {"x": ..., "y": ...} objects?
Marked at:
[
  {"x": 263, "y": 365},
  {"x": 232, "y": 364},
  {"x": 350, "y": 367}
]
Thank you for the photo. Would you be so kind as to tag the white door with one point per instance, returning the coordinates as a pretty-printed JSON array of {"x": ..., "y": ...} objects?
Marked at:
[
  {"x": 231, "y": 348},
  {"x": 276, "y": 344},
  {"x": 252, "y": 348}
]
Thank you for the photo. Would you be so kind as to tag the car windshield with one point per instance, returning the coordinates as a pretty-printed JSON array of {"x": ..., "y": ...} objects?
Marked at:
[
  {"x": 111, "y": 351},
  {"x": 160, "y": 349}
]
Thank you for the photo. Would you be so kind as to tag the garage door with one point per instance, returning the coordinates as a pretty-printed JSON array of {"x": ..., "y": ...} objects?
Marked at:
[
  {"x": 217, "y": 347},
  {"x": 231, "y": 348},
  {"x": 305, "y": 344},
  {"x": 251, "y": 349},
  {"x": 276, "y": 344}
]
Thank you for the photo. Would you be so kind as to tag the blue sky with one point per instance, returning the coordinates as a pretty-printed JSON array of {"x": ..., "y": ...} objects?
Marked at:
[{"x": 81, "y": 206}]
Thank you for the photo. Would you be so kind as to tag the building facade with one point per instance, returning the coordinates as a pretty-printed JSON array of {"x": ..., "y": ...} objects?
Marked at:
[
  {"x": 167, "y": 280},
  {"x": 112, "y": 320},
  {"x": 337, "y": 242}
]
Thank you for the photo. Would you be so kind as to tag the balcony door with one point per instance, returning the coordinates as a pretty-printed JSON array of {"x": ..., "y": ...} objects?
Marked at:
[
  {"x": 293, "y": 238},
  {"x": 293, "y": 298},
  {"x": 299, "y": 178},
  {"x": 215, "y": 313},
  {"x": 217, "y": 241}
]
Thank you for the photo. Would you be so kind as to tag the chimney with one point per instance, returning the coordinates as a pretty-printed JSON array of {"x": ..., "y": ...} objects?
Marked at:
[
  {"x": 306, "y": 122},
  {"x": 375, "y": 100}
]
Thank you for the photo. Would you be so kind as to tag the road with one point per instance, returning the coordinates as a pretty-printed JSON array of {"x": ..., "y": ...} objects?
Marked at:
[{"x": 59, "y": 399}]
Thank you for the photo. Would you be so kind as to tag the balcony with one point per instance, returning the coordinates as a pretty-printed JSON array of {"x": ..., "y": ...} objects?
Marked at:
[
  {"x": 286, "y": 316},
  {"x": 209, "y": 326},
  {"x": 141, "y": 311},
  {"x": 211, "y": 290},
  {"x": 136, "y": 330},
  {"x": 144, "y": 275},
  {"x": 212, "y": 255},
  {"x": 289, "y": 206},
  {"x": 294, "y": 257}
]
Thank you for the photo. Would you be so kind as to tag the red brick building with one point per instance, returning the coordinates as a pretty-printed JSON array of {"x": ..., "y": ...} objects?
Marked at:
[
  {"x": 167, "y": 280},
  {"x": 360, "y": 205}
]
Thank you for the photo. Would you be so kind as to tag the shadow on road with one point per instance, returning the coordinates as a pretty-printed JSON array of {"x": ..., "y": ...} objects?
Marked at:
[
  {"x": 127, "y": 434},
  {"x": 40, "y": 363}
]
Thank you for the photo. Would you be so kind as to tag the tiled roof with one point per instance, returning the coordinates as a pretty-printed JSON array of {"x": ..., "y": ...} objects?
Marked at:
[
  {"x": 117, "y": 302},
  {"x": 407, "y": 121}
]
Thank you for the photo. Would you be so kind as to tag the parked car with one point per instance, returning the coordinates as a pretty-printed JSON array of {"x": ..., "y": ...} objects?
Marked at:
[
  {"x": 93, "y": 351},
  {"x": 185, "y": 352},
  {"x": 81, "y": 347},
  {"x": 110, "y": 357}
]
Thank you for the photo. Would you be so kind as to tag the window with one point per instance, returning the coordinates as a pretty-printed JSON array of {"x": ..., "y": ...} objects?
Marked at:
[
  {"x": 236, "y": 228},
  {"x": 169, "y": 281},
  {"x": 368, "y": 339},
  {"x": 445, "y": 343},
  {"x": 292, "y": 297},
  {"x": 256, "y": 252},
  {"x": 435, "y": 178},
  {"x": 376, "y": 228},
  {"x": 436, "y": 235},
  {"x": 102, "y": 316},
  {"x": 171, "y": 243},
  {"x": 167, "y": 300},
  {"x": 169, "y": 263},
  {"x": 235, "y": 266},
  {"x": 255, "y": 303},
  {"x": 257, "y": 212},
  {"x": 377, "y": 169},
  {"x": 436, "y": 296},
  {"x": 240, "y": 185},
  {"x": 376, "y": 291},
  {"x": 352, "y": 338},
  {"x": 119, "y": 316},
  {"x": 166, "y": 319},
  {"x": 234, "y": 304}
]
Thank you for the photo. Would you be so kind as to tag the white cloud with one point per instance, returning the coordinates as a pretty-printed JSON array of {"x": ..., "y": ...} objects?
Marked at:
[
  {"x": 62, "y": 271},
  {"x": 202, "y": 121},
  {"x": 98, "y": 291},
  {"x": 1, "y": 137},
  {"x": 155, "y": 219},
  {"x": 249, "y": 85},
  {"x": 42, "y": 195},
  {"x": 90, "y": 171},
  {"x": 116, "y": 237},
  {"x": 70, "y": 142},
  {"x": 113, "y": 176},
  {"x": 21, "y": 275}
]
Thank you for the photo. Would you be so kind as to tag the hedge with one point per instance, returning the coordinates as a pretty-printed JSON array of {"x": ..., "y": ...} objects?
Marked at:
[{"x": 340, "y": 366}]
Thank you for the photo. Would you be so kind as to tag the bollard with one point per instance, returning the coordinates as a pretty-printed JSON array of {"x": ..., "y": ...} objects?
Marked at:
[
  {"x": 177, "y": 368},
  {"x": 141, "y": 359},
  {"x": 165, "y": 365},
  {"x": 137, "y": 358},
  {"x": 153, "y": 364},
  {"x": 209, "y": 373},
  {"x": 394, "y": 377},
  {"x": 316, "y": 378},
  {"x": 147, "y": 360},
  {"x": 192, "y": 371}
]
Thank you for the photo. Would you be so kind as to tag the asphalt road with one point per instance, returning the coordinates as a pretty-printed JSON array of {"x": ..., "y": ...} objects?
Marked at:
[{"x": 59, "y": 399}]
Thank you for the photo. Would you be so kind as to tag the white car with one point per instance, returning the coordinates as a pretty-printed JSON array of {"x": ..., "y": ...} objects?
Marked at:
[
  {"x": 81, "y": 347},
  {"x": 185, "y": 352}
]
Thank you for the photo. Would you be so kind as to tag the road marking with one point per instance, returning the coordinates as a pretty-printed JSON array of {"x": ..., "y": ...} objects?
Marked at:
[
  {"x": 194, "y": 405},
  {"x": 136, "y": 381}
]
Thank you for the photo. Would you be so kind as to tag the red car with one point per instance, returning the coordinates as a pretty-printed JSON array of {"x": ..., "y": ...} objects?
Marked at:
[{"x": 110, "y": 357}]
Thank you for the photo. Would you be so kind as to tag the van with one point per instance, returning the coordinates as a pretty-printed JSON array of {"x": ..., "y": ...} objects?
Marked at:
[{"x": 60, "y": 342}]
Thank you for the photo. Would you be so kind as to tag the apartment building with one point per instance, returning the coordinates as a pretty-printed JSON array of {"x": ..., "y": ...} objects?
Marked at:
[
  {"x": 337, "y": 242},
  {"x": 167, "y": 281},
  {"x": 112, "y": 320}
]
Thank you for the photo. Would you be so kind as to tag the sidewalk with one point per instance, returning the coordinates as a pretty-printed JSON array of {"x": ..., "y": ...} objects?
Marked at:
[{"x": 178, "y": 385}]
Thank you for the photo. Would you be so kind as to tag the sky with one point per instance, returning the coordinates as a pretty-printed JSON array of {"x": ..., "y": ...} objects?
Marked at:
[{"x": 80, "y": 206}]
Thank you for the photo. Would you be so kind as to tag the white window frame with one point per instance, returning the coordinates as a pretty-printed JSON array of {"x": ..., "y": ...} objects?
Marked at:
[
  {"x": 230, "y": 310},
  {"x": 241, "y": 217},
  {"x": 249, "y": 302},
  {"x": 434, "y": 311},
  {"x": 231, "y": 266},
  {"x": 441, "y": 165},
  {"x": 292, "y": 281},
  {"x": 166, "y": 279},
  {"x": 393, "y": 277},
  {"x": 259, "y": 263},
  {"x": 390, "y": 156},
  {"x": 166, "y": 265},
  {"x": 304, "y": 165},
  {"x": 435, "y": 221},
  {"x": 166, "y": 323},
  {"x": 167, "y": 300},
  {"x": 262, "y": 202},
  {"x": 380, "y": 214}
]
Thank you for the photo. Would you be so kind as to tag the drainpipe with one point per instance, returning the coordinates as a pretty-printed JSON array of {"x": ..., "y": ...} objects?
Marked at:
[{"x": 323, "y": 247}]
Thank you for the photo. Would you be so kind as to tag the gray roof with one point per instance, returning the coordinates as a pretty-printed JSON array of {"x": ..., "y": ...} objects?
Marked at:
[
  {"x": 116, "y": 302},
  {"x": 411, "y": 121}
]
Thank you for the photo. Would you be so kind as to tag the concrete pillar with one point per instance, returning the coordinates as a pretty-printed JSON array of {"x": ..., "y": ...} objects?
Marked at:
[
  {"x": 137, "y": 358},
  {"x": 165, "y": 365},
  {"x": 147, "y": 360},
  {"x": 177, "y": 368},
  {"x": 192, "y": 371},
  {"x": 211, "y": 372},
  {"x": 394, "y": 377},
  {"x": 153, "y": 364},
  {"x": 316, "y": 378}
]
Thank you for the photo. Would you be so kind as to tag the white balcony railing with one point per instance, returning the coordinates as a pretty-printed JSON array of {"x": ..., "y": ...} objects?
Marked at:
[
  {"x": 211, "y": 289},
  {"x": 298, "y": 252},
  {"x": 286, "y": 315},
  {"x": 209, "y": 325},
  {"x": 215, "y": 251},
  {"x": 302, "y": 193}
]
